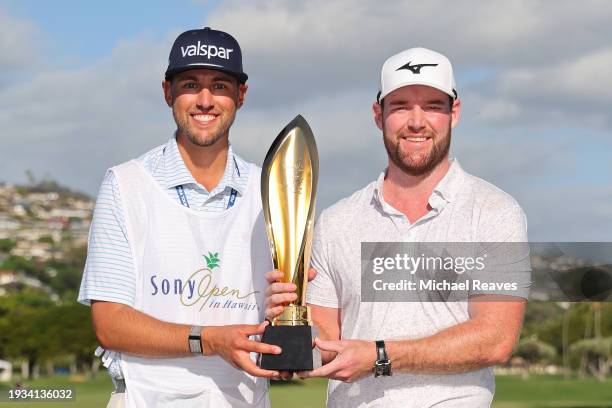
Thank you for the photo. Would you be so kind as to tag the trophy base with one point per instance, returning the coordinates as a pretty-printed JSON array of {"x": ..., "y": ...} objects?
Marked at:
[{"x": 296, "y": 343}]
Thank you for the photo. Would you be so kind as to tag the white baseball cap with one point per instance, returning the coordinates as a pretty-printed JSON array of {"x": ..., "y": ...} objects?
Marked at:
[{"x": 417, "y": 66}]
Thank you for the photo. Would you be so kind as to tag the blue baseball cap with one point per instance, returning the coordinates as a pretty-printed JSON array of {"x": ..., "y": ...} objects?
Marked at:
[{"x": 206, "y": 49}]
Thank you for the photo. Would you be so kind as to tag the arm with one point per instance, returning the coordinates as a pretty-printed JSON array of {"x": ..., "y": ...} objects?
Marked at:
[
  {"x": 121, "y": 328},
  {"x": 486, "y": 339},
  {"x": 327, "y": 322}
]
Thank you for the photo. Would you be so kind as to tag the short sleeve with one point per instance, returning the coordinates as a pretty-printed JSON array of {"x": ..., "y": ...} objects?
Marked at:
[
  {"x": 322, "y": 290},
  {"x": 109, "y": 273},
  {"x": 503, "y": 235}
]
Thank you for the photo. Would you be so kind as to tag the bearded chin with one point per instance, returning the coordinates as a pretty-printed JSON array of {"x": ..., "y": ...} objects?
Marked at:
[
  {"x": 417, "y": 165},
  {"x": 202, "y": 143},
  {"x": 184, "y": 129}
]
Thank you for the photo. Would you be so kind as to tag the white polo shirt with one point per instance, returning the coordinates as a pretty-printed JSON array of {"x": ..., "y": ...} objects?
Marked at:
[{"x": 464, "y": 209}]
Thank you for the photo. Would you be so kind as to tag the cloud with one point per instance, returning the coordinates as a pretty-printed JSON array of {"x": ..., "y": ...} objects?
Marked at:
[
  {"x": 561, "y": 214},
  {"x": 20, "y": 42},
  {"x": 547, "y": 59},
  {"x": 575, "y": 88},
  {"x": 349, "y": 144},
  {"x": 345, "y": 28},
  {"x": 71, "y": 124},
  {"x": 578, "y": 77}
]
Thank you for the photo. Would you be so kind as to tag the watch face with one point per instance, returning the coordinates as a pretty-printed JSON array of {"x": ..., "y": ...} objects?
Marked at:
[
  {"x": 387, "y": 368},
  {"x": 377, "y": 370},
  {"x": 382, "y": 367}
]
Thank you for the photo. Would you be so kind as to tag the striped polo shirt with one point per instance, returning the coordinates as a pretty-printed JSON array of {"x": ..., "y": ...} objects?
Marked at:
[{"x": 109, "y": 269}]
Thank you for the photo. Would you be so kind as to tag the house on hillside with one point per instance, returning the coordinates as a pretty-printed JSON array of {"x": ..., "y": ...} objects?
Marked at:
[{"x": 6, "y": 371}]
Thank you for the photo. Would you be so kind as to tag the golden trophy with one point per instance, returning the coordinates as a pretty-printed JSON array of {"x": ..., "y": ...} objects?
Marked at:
[{"x": 288, "y": 188}]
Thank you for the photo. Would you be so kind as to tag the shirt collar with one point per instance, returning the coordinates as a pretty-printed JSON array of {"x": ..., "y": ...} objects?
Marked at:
[
  {"x": 176, "y": 172},
  {"x": 449, "y": 186},
  {"x": 445, "y": 191},
  {"x": 232, "y": 173}
]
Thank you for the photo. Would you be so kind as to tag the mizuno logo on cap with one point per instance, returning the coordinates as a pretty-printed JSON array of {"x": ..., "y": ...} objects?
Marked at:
[
  {"x": 206, "y": 50},
  {"x": 415, "y": 69}
]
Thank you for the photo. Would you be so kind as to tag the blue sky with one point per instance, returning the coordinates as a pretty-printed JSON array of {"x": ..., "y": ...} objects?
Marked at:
[
  {"x": 65, "y": 23},
  {"x": 80, "y": 90}
]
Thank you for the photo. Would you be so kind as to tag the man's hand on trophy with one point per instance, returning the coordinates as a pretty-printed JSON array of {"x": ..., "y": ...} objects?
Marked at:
[
  {"x": 354, "y": 360},
  {"x": 279, "y": 294},
  {"x": 232, "y": 344}
]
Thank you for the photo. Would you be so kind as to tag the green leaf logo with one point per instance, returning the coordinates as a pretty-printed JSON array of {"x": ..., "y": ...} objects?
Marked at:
[{"x": 212, "y": 260}]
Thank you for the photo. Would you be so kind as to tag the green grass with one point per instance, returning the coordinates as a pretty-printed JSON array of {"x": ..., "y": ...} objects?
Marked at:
[
  {"x": 298, "y": 393},
  {"x": 551, "y": 391},
  {"x": 88, "y": 393},
  {"x": 512, "y": 392}
]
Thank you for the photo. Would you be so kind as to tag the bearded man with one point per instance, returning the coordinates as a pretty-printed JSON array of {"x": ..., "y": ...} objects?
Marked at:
[{"x": 440, "y": 353}]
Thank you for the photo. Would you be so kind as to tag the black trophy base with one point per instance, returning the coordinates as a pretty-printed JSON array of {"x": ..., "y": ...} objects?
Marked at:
[{"x": 296, "y": 343}]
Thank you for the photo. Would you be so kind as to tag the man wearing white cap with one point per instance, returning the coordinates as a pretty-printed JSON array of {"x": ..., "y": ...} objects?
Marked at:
[{"x": 418, "y": 354}]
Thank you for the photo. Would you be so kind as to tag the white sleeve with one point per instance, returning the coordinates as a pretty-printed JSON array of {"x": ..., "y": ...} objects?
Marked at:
[
  {"x": 109, "y": 273},
  {"x": 504, "y": 235},
  {"x": 322, "y": 291}
]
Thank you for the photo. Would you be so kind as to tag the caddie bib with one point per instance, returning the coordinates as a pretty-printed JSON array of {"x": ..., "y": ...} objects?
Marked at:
[{"x": 194, "y": 268}]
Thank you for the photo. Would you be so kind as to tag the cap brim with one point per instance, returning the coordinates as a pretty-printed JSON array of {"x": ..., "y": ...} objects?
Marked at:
[
  {"x": 240, "y": 76},
  {"x": 407, "y": 83}
]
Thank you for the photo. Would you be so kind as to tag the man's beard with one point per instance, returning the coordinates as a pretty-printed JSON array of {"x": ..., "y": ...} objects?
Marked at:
[
  {"x": 185, "y": 128},
  {"x": 417, "y": 164}
]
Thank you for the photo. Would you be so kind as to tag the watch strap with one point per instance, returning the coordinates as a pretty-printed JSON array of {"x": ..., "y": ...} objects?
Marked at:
[
  {"x": 195, "y": 340},
  {"x": 382, "y": 366}
]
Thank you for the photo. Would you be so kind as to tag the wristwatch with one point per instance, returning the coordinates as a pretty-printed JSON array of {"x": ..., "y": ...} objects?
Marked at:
[
  {"x": 382, "y": 366},
  {"x": 195, "y": 340}
]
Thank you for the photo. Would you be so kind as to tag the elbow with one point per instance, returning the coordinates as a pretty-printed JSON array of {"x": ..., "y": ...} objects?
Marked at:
[
  {"x": 104, "y": 324},
  {"x": 104, "y": 340},
  {"x": 103, "y": 335},
  {"x": 501, "y": 354}
]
